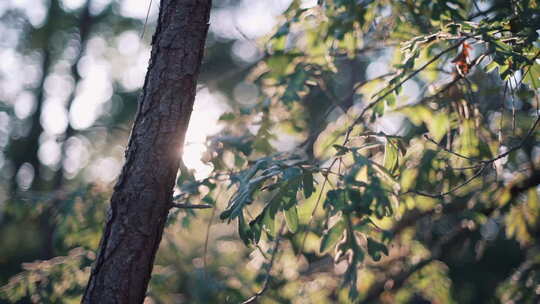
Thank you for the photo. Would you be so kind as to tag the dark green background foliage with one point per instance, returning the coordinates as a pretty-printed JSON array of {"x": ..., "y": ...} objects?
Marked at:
[{"x": 389, "y": 155}]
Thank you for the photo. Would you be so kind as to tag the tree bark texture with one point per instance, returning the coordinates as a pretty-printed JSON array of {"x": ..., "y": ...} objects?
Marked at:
[{"x": 142, "y": 196}]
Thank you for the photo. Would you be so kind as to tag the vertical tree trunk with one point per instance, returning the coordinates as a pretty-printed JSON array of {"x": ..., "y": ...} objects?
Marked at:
[{"x": 142, "y": 196}]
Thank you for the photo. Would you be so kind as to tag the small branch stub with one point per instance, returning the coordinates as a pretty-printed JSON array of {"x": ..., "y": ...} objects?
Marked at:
[{"x": 191, "y": 206}]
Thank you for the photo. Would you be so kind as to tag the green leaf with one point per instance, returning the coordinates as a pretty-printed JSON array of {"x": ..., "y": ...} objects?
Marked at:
[
  {"x": 256, "y": 228},
  {"x": 496, "y": 44},
  {"x": 408, "y": 179},
  {"x": 341, "y": 150},
  {"x": 244, "y": 230},
  {"x": 291, "y": 218},
  {"x": 350, "y": 278},
  {"x": 379, "y": 108},
  {"x": 361, "y": 202},
  {"x": 491, "y": 66},
  {"x": 383, "y": 208},
  {"x": 376, "y": 249},
  {"x": 336, "y": 200},
  {"x": 351, "y": 274},
  {"x": 280, "y": 61},
  {"x": 391, "y": 156},
  {"x": 439, "y": 126},
  {"x": 269, "y": 213},
  {"x": 418, "y": 114},
  {"x": 248, "y": 186},
  {"x": 296, "y": 83},
  {"x": 227, "y": 116},
  {"x": 283, "y": 30},
  {"x": 291, "y": 173},
  {"x": 409, "y": 62},
  {"x": 532, "y": 76},
  {"x": 289, "y": 191},
  {"x": 391, "y": 100},
  {"x": 308, "y": 183},
  {"x": 268, "y": 222},
  {"x": 332, "y": 236},
  {"x": 225, "y": 214}
]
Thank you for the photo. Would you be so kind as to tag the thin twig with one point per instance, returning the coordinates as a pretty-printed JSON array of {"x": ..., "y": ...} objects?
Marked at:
[
  {"x": 440, "y": 195},
  {"x": 378, "y": 134},
  {"x": 266, "y": 282},
  {"x": 476, "y": 6},
  {"x": 191, "y": 206},
  {"x": 207, "y": 237},
  {"x": 519, "y": 146},
  {"x": 331, "y": 98},
  {"x": 402, "y": 277},
  {"x": 447, "y": 150},
  {"x": 483, "y": 13},
  {"x": 363, "y": 83},
  {"x": 373, "y": 103},
  {"x": 501, "y": 123},
  {"x": 146, "y": 20},
  {"x": 355, "y": 88},
  {"x": 381, "y": 97},
  {"x": 466, "y": 168},
  {"x": 453, "y": 236},
  {"x": 512, "y": 93},
  {"x": 482, "y": 163}
]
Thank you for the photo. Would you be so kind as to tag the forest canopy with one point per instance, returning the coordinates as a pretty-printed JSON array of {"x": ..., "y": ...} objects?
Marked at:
[{"x": 339, "y": 151}]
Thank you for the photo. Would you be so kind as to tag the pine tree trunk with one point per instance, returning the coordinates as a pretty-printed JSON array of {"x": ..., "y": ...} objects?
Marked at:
[{"x": 142, "y": 196}]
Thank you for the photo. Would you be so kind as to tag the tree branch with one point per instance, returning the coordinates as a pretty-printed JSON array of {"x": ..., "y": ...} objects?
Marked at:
[
  {"x": 266, "y": 282},
  {"x": 414, "y": 73},
  {"x": 441, "y": 195},
  {"x": 399, "y": 279},
  {"x": 447, "y": 150},
  {"x": 191, "y": 206}
]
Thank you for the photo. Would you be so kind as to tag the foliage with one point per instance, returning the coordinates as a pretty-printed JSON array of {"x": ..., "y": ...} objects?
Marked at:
[
  {"x": 412, "y": 174},
  {"x": 53, "y": 281}
]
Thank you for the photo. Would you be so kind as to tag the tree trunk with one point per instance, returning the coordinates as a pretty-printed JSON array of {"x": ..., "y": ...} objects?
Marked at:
[{"x": 142, "y": 196}]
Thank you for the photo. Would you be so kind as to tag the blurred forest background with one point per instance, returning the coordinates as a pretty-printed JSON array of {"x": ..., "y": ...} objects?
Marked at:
[{"x": 354, "y": 151}]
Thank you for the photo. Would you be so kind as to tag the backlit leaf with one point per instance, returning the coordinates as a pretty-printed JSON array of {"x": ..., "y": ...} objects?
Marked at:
[{"x": 332, "y": 236}]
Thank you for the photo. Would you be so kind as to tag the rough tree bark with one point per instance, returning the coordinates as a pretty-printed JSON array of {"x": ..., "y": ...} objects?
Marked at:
[{"x": 142, "y": 196}]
